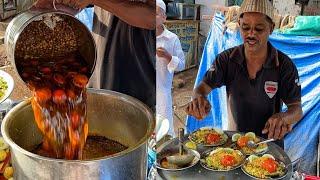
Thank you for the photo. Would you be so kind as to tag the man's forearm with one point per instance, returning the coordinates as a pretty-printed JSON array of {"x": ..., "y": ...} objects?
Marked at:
[
  {"x": 134, "y": 13},
  {"x": 202, "y": 90},
  {"x": 293, "y": 114}
]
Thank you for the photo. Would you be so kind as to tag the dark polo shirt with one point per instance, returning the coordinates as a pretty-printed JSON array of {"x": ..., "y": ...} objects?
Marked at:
[{"x": 253, "y": 101}]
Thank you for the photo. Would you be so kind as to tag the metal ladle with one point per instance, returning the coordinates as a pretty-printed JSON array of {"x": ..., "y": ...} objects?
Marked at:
[
  {"x": 252, "y": 144},
  {"x": 181, "y": 159}
]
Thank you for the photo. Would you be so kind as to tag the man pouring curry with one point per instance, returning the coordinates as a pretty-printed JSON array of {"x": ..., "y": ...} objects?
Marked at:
[{"x": 258, "y": 79}]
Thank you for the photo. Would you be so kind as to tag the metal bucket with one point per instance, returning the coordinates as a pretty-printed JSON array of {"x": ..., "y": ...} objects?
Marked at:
[
  {"x": 20, "y": 24},
  {"x": 110, "y": 114}
]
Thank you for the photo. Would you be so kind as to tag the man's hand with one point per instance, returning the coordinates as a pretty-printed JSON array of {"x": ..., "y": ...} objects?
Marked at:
[
  {"x": 163, "y": 53},
  {"x": 43, "y": 4},
  {"x": 277, "y": 127},
  {"x": 199, "y": 107},
  {"x": 69, "y": 6},
  {"x": 76, "y": 4}
]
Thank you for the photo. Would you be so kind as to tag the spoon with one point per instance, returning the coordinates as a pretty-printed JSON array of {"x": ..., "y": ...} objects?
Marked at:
[
  {"x": 181, "y": 159},
  {"x": 252, "y": 144},
  {"x": 293, "y": 163}
]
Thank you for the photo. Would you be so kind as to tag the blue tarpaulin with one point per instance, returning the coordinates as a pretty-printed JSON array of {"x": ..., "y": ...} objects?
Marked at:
[
  {"x": 305, "y": 53},
  {"x": 86, "y": 17}
]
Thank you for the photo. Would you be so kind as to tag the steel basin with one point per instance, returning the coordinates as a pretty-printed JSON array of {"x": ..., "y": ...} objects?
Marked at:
[{"x": 117, "y": 116}]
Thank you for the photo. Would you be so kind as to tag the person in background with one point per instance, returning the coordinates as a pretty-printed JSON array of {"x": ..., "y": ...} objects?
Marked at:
[
  {"x": 124, "y": 32},
  {"x": 258, "y": 78},
  {"x": 169, "y": 58}
]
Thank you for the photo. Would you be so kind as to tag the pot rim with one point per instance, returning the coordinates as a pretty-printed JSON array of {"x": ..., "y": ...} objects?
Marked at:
[{"x": 129, "y": 99}]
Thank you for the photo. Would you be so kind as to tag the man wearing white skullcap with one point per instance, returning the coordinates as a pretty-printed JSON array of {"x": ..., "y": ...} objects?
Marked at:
[
  {"x": 258, "y": 79},
  {"x": 169, "y": 58},
  {"x": 161, "y": 4}
]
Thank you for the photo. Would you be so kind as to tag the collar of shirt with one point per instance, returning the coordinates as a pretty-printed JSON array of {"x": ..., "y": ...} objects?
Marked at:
[
  {"x": 165, "y": 34},
  {"x": 237, "y": 55}
]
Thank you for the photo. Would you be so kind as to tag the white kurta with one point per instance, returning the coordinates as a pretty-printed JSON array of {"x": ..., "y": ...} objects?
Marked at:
[{"x": 171, "y": 43}]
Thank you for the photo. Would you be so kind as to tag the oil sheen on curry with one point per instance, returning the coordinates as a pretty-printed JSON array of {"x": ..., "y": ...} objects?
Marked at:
[{"x": 95, "y": 147}]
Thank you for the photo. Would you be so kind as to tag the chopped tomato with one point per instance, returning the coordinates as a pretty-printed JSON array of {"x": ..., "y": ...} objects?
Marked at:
[
  {"x": 68, "y": 151},
  {"x": 25, "y": 75},
  {"x": 76, "y": 64},
  {"x": 71, "y": 59},
  {"x": 59, "y": 96},
  {"x": 242, "y": 141},
  {"x": 71, "y": 74},
  {"x": 34, "y": 62},
  {"x": 43, "y": 94},
  {"x": 59, "y": 79},
  {"x": 228, "y": 160},
  {"x": 5, "y": 162},
  {"x": 80, "y": 80},
  {"x": 75, "y": 119},
  {"x": 71, "y": 95},
  {"x": 84, "y": 70},
  {"x": 45, "y": 70},
  {"x": 270, "y": 165},
  {"x": 46, "y": 145},
  {"x": 212, "y": 138}
]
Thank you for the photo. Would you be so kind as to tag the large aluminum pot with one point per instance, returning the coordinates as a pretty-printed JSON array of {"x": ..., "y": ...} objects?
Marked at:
[
  {"x": 40, "y": 46},
  {"x": 111, "y": 114}
]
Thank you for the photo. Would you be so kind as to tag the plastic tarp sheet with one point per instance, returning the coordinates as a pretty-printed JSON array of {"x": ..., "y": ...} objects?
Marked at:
[
  {"x": 86, "y": 17},
  {"x": 305, "y": 26},
  {"x": 305, "y": 53}
]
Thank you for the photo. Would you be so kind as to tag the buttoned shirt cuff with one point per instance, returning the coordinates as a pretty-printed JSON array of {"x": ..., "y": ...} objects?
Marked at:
[{"x": 173, "y": 64}]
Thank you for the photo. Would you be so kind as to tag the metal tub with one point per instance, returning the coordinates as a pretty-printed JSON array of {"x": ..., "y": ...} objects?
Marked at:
[{"x": 114, "y": 115}]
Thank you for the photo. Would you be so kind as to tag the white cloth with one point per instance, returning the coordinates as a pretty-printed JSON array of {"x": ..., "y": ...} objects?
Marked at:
[
  {"x": 171, "y": 43},
  {"x": 161, "y": 4}
]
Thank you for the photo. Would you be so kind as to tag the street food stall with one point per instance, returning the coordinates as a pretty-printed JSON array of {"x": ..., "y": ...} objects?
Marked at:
[
  {"x": 67, "y": 130},
  {"x": 300, "y": 41}
]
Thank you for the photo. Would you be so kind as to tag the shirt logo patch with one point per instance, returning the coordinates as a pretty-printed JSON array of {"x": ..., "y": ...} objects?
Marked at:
[{"x": 271, "y": 88}]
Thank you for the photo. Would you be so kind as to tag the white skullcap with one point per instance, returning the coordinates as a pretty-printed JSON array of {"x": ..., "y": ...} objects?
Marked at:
[{"x": 161, "y": 4}]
